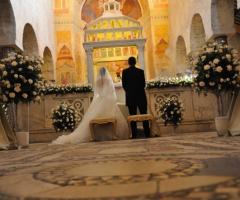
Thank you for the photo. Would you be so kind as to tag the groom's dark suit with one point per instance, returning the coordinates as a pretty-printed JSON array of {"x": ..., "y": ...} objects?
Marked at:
[{"x": 133, "y": 82}]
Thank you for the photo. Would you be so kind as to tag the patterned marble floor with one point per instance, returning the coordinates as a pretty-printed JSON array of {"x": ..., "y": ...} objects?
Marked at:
[{"x": 186, "y": 167}]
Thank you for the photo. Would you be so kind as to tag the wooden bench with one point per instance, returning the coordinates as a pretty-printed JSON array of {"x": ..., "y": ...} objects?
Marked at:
[
  {"x": 140, "y": 118},
  {"x": 103, "y": 129}
]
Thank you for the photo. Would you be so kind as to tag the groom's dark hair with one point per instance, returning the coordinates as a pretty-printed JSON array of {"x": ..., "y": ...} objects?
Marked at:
[{"x": 132, "y": 61}]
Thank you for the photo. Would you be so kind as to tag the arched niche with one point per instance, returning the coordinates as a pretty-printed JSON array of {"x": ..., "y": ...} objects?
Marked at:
[
  {"x": 30, "y": 44},
  {"x": 181, "y": 55},
  {"x": 65, "y": 66},
  {"x": 48, "y": 67},
  {"x": 92, "y": 9},
  {"x": 197, "y": 34},
  {"x": 222, "y": 14},
  {"x": 7, "y": 23}
]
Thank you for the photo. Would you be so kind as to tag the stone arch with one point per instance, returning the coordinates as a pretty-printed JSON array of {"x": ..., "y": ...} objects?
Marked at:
[
  {"x": 197, "y": 34},
  {"x": 145, "y": 7},
  {"x": 30, "y": 44},
  {"x": 222, "y": 14},
  {"x": 181, "y": 55},
  {"x": 7, "y": 23},
  {"x": 48, "y": 67}
]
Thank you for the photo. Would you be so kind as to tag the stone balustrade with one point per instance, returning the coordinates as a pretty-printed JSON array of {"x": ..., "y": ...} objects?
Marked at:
[
  {"x": 199, "y": 110},
  {"x": 40, "y": 123},
  {"x": 198, "y": 116}
]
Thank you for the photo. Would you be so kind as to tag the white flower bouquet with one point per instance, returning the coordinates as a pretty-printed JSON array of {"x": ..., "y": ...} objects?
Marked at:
[
  {"x": 20, "y": 77},
  {"x": 171, "y": 111},
  {"x": 216, "y": 69},
  {"x": 49, "y": 89},
  {"x": 185, "y": 81},
  {"x": 64, "y": 118}
]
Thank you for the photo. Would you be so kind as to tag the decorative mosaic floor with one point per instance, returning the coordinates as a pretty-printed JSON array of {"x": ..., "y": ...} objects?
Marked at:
[{"x": 186, "y": 167}]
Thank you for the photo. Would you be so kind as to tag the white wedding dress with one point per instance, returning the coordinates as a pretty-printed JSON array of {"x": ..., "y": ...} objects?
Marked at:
[{"x": 104, "y": 104}]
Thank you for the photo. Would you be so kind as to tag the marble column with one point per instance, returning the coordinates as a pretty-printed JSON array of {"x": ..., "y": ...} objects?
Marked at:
[
  {"x": 89, "y": 52},
  {"x": 141, "y": 56}
]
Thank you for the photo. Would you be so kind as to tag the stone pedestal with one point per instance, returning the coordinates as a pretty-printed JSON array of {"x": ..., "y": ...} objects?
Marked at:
[{"x": 23, "y": 117}]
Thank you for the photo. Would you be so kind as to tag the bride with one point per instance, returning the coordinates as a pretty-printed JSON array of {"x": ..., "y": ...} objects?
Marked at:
[{"x": 104, "y": 105}]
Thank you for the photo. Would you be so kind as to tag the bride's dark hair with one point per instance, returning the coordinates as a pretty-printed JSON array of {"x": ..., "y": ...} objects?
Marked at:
[{"x": 102, "y": 71}]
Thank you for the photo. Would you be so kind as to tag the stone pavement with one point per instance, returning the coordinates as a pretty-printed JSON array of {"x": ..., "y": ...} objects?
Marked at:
[{"x": 185, "y": 167}]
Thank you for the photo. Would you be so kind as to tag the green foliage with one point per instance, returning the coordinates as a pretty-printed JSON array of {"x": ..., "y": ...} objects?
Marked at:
[
  {"x": 64, "y": 89},
  {"x": 185, "y": 81}
]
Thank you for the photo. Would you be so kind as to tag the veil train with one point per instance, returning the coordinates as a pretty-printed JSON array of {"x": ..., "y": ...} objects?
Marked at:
[{"x": 104, "y": 105}]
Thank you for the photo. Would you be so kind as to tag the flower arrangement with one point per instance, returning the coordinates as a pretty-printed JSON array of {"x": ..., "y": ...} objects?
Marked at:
[
  {"x": 216, "y": 69},
  {"x": 63, "y": 118},
  {"x": 48, "y": 89},
  {"x": 171, "y": 111},
  {"x": 185, "y": 81},
  {"x": 20, "y": 77}
]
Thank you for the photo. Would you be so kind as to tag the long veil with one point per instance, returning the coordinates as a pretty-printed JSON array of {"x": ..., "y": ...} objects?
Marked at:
[
  {"x": 104, "y": 104},
  {"x": 104, "y": 85}
]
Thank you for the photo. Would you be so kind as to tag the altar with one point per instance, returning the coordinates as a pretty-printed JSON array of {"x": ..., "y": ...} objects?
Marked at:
[{"x": 110, "y": 40}]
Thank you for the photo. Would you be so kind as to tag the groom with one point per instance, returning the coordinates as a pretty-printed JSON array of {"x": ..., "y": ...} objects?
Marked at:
[{"x": 133, "y": 82}]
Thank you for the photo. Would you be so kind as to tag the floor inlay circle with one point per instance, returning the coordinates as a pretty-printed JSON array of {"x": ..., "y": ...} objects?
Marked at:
[{"x": 118, "y": 172}]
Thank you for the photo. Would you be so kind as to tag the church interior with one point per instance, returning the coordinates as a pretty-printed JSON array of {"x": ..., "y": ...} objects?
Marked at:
[{"x": 190, "y": 53}]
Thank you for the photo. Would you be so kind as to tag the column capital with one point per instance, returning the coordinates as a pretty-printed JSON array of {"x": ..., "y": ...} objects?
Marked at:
[
  {"x": 141, "y": 46},
  {"x": 89, "y": 50}
]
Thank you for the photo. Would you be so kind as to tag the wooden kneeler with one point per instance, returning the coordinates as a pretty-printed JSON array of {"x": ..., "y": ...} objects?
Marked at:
[
  {"x": 101, "y": 126},
  {"x": 139, "y": 118}
]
